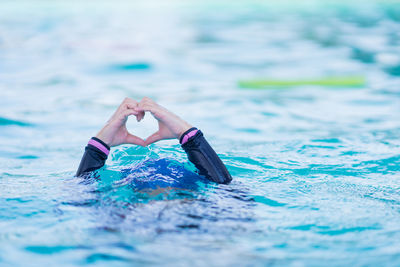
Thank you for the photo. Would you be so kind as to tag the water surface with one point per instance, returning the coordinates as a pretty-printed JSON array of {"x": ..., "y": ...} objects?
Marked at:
[{"x": 316, "y": 169}]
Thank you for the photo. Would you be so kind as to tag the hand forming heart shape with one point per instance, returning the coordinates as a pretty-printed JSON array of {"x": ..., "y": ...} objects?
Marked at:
[{"x": 114, "y": 133}]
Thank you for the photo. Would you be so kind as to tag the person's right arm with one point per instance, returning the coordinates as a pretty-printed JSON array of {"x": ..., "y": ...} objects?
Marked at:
[
  {"x": 198, "y": 150},
  {"x": 112, "y": 134}
]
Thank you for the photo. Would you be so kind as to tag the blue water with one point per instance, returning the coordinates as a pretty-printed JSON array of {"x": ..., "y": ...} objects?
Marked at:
[{"x": 316, "y": 170}]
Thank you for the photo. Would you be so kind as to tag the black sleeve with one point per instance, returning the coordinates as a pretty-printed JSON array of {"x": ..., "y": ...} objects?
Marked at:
[
  {"x": 201, "y": 154},
  {"x": 92, "y": 159}
]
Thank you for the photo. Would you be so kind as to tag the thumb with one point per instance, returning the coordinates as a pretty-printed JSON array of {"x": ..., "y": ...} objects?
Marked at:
[
  {"x": 153, "y": 138},
  {"x": 133, "y": 139}
]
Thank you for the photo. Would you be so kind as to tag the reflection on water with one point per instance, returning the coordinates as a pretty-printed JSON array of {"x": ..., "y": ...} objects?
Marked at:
[{"x": 315, "y": 168}]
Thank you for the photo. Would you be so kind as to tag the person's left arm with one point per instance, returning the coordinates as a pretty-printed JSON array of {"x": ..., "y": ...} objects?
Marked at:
[{"x": 198, "y": 150}]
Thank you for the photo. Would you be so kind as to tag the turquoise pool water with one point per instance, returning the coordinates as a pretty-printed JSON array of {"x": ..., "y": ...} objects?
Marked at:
[{"x": 316, "y": 170}]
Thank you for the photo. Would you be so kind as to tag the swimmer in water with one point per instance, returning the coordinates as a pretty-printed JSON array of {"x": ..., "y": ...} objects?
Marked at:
[{"x": 170, "y": 126}]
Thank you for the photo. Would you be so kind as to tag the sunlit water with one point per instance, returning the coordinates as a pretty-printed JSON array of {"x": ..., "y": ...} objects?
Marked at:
[{"x": 315, "y": 170}]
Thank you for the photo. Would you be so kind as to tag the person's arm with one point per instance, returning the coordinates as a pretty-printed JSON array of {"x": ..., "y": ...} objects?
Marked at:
[
  {"x": 203, "y": 156},
  {"x": 95, "y": 156},
  {"x": 198, "y": 150},
  {"x": 112, "y": 134}
]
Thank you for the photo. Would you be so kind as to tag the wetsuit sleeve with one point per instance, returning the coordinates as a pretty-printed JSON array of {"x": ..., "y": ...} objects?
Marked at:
[
  {"x": 201, "y": 154},
  {"x": 96, "y": 153}
]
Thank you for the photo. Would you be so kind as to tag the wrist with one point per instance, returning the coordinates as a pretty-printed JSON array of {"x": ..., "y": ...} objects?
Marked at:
[
  {"x": 105, "y": 140},
  {"x": 184, "y": 129},
  {"x": 187, "y": 135},
  {"x": 100, "y": 145}
]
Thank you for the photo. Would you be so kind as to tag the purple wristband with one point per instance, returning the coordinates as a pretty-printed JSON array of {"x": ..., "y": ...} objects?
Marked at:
[
  {"x": 100, "y": 146},
  {"x": 188, "y": 135}
]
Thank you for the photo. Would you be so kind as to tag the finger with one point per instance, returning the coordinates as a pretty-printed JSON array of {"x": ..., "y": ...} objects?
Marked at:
[
  {"x": 146, "y": 100},
  {"x": 147, "y": 103},
  {"x": 128, "y": 100},
  {"x": 143, "y": 106},
  {"x": 155, "y": 109},
  {"x": 129, "y": 112},
  {"x": 153, "y": 138},
  {"x": 125, "y": 114},
  {"x": 140, "y": 115},
  {"x": 127, "y": 103},
  {"x": 130, "y": 103},
  {"x": 133, "y": 139},
  {"x": 124, "y": 103}
]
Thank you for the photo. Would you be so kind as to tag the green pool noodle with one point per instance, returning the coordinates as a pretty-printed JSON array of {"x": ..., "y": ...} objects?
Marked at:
[{"x": 348, "y": 81}]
